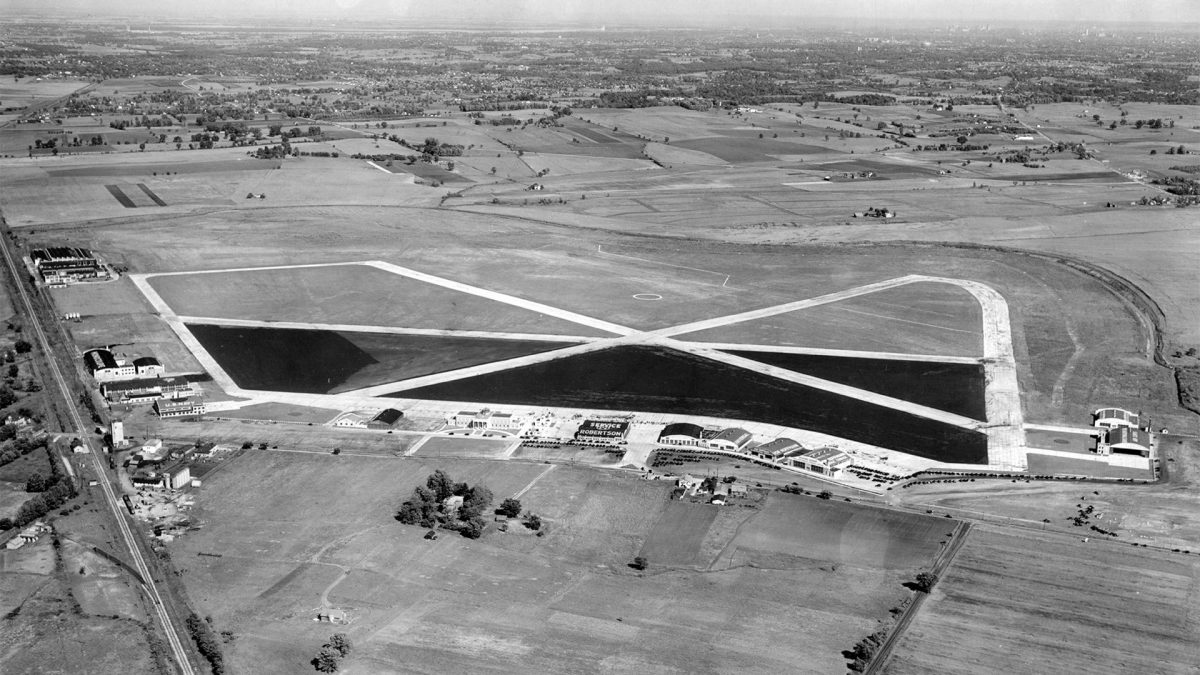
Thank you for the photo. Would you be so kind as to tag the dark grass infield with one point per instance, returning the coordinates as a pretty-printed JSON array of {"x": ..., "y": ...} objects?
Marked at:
[
  {"x": 659, "y": 380},
  {"x": 953, "y": 387}
]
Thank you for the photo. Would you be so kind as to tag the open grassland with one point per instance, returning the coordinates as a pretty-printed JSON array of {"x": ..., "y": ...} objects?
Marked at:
[
  {"x": 349, "y": 295},
  {"x": 565, "y": 602},
  {"x": 1163, "y": 514},
  {"x": 438, "y": 447},
  {"x": 1023, "y": 601},
  {"x": 1076, "y": 344},
  {"x": 920, "y": 318}
]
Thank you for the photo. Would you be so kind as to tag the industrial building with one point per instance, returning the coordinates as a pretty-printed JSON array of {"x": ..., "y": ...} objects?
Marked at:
[
  {"x": 682, "y": 433},
  {"x": 1111, "y": 418},
  {"x": 105, "y": 367},
  {"x": 181, "y": 407},
  {"x": 148, "y": 366},
  {"x": 602, "y": 430},
  {"x": 777, "y": 449},
  {"x": 64, "y": 264},
  {"x": 825, "y": 461},
  {"x": 387, "y": 418},
  {"x": 145, "y": 390},
  {"x": 176, "y": 476},
  {"x": 1123, "y": 440},
  {"x": 732, "y": 440}
]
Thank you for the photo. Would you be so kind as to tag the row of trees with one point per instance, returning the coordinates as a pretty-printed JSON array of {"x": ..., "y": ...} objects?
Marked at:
[{"x": 206, "y": 642}]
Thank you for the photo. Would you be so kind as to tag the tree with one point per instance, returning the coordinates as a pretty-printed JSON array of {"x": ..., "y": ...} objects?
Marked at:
[
  {"x": 23, "y": 347},
  {"x": 35, "y": 483},
  {"x": 926, "y": 581},
  {"x": 440, "y": 484},
  {"x": 510, "y": 507},
  {"x": 7, "y": 396},
  {"x": 533, "y": 521},
  {"x": 824, "y": 494},
  {"x": 475, "y": 501},
  {"x": 326, "y": 660},
  {"x": 473, "y": 528},
  {"x": 6, "y": 523},
  {"x": 341, "y": 643}
]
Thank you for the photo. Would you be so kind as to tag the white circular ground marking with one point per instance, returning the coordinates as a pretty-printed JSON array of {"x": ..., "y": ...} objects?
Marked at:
[{"x": 647, "y": 296}]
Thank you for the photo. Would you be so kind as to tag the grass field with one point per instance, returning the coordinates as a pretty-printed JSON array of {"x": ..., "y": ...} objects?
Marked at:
[
  {"x": 1019, "y": 601},
  {"x": 922, "y": 318},
  {"x": 438, "y": 447},
  {"x": 792, "y": 529},
  {"x": 322, "y": 361},
  {"x": 676, "y": 538},
  {"x": 566, "y": 602},
  {"x": 347, "y": 294},
  {"x": 1052, "y": 464}
]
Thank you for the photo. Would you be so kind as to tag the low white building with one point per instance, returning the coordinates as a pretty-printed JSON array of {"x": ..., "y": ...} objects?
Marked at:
[{"x": 1111, "y": 418}]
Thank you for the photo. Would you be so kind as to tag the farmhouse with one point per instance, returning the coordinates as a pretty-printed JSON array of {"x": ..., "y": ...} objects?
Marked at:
[
  {"x": 602, "y": 430},
  {"x": 825, "y": 461},
  {"x": 332, "y": 615},
  {"x": 63, "y": 264},
  {"x": 733, "y": 439},
  {"x": 182, "y": 407},
  {"x": 386, "y": 419},
  {"x": 106, "y": 368},
  {"x": 1111, "y": 418},
  {"x": 145, "y": 390},
  {"x": 682, "y": 433},
  {"x": 1122, "y": 440}
]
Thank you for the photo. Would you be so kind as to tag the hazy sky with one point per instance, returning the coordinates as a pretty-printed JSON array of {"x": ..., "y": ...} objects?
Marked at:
[{"x": 637, "y": 11}]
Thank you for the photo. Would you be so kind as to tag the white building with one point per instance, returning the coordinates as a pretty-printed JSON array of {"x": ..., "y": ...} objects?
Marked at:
[{"x": 1111, "y": 418}]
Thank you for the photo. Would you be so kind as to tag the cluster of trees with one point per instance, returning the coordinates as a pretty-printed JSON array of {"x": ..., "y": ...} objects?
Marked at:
[
  {"x": 329, "y": 658},
  {"x": 1155, "y": 123},
  {"x": 865, "y": 649},
  {"x": 58, "y": 490},
  {"x": 511, "y": 508},
  {"x": 206, "y": 642},
  {"x": 19, "y": 447},
  {"x": 432, "y": 148},
  {"x": 294, "y": 132},
  {"x": 428, "y": 505},
  {"x": 862, "y": 99}
]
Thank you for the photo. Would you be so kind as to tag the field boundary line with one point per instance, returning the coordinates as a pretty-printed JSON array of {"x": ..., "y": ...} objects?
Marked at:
[
  {"x": 520, "y": 493},
  {"x": 664, "y": 264},
  {"x": 941, "y": 563},
  {"x": 847, "y": 353},
  {"x": 358, "y": 328}
]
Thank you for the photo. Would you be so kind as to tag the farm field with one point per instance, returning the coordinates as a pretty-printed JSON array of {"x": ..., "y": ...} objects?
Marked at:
[
  {"x": 453, "y": 603},
  {"x": 658, "y": 380},
  {"x": 1014, "y": 601}
]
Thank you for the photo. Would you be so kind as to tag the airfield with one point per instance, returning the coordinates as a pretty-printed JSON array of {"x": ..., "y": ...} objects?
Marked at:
[{"x": 661, "y": 242}]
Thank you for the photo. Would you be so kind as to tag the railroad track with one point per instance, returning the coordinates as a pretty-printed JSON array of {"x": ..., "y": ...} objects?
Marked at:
[{"x": 110, "y": 496}]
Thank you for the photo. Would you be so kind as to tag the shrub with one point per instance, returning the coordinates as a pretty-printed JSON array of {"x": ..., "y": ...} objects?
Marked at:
[{"x": 640, "y": 563}]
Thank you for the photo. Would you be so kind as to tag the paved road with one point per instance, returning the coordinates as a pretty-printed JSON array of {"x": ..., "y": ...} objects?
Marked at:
[{"x": 110, "y": 496}]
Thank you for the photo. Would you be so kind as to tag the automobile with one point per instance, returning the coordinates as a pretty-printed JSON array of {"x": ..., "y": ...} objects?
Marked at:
[{"x": 431, "y": 535}]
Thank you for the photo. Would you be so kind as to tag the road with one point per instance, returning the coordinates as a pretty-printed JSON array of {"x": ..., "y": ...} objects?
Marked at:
[{"x": 110, "y": 496}]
